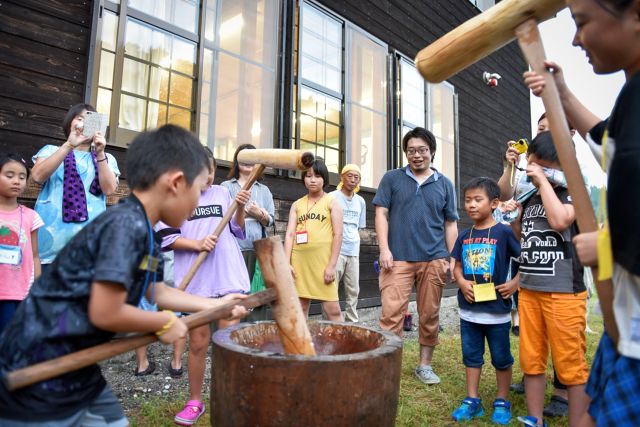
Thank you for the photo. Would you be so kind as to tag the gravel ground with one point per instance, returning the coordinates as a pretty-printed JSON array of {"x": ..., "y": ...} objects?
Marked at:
[{"x": 131, "y": 390}]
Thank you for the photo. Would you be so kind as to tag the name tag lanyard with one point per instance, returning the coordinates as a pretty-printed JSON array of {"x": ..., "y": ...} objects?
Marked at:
[
  {"x": 484, "y": 291},
  {"x": 149, "y": 268},
  {"x": 10, "y": 254},
  {"x": 302, "y": 236}
]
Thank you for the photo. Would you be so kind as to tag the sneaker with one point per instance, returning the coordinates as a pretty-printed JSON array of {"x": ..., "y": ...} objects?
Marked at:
[
  {"x": 470, "y": 408},
  {"x": 501, "y": 412},
  {"x": 530, "y": 421},
  {"x": 426, "y": 375},
  {"x": 190, "y": 413},
  {"x": 557, "y": 407},
  {"x": 517, "y": 388}
]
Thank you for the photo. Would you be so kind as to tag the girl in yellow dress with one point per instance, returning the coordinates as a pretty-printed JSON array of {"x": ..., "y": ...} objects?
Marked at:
[{"x": 312, "y": 242}]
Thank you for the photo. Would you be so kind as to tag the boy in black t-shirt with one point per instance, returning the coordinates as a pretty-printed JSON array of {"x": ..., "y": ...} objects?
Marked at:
[
  {"x": 483, "y": 254},
  {"x": 94, "y": 286}
]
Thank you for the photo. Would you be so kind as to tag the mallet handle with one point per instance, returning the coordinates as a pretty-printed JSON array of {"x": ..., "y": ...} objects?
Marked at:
[
  {"x": 257, "y": 171},
  {"x": 89, "y": 356},
  {"x": 531, "y": 45}
]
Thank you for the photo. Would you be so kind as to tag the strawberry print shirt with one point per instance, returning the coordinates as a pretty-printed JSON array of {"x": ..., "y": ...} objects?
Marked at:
[{"x": 15, "y": 231}]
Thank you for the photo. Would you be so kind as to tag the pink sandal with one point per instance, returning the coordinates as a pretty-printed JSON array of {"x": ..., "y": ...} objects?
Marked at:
[{"x": 190, "y": 413}]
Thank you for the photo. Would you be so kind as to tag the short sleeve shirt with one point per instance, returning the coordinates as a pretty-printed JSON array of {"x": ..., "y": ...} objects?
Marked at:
[
  {"x": 417, "y": 214},
  {"x": 56, "y": 233},
  {"x": 548, "y": 261},
  {"x": 485, "y": 256},
  {"x": 355, "y": 211},
  {"x": 53, "y": 320}
]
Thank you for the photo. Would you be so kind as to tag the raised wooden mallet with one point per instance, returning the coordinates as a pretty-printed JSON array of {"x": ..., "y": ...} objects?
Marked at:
[
  {"x": 262, "y": 158},
  {"x": 484, "y": 34}
]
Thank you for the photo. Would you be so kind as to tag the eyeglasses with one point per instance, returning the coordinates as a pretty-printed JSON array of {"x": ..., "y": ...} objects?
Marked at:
[{"x": 420, "y": 150}]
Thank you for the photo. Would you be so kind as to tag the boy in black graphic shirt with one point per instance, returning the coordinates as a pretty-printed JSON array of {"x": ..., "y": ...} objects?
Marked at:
[
  {"x": 94, "y": 286},
  {"x": 553, "y": 296}
]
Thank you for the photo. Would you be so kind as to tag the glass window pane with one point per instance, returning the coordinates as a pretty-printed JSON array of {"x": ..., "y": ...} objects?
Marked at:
[
  {"x": 132, "y": 113},
  {"x": 156, "y": 115},
  {"x": 332, "y": 160},
  {"x": 368, "y": 70},
  {"x": 185, "y": 15},
  {"x": 332, "y": 79},
  {"x": 184, "y": 56},
  {"x": 161, "y": 49},
  {"x": 210, "y": 23},
  {"x": 333, "y": 109},
  {"x": 442, "y": 111},
  {"x": 307, "y": 128},
  {"x": 181, "y": 90},
  {"x": 445, "y": 159},
  {"x": 321, "y": 49},
  {"x": 138, "y": 40},
  {"x": 308, "y": 101},
  {"x": 159, "y": 84},
  {"x": 412, "y": 94},
  {"x": 332, "y": 135},
  {"x": 103, "y": 103},
  {"x": 181, "y": 13},
  {"x": 107, "y": 60},
  {"x": 368, "y": 146},
  {"x": 180, "y": 117},
  {"x": 207, "y": 65},
  {"x": 109, "y": 30},
  {"x": 135, "y": 76}
]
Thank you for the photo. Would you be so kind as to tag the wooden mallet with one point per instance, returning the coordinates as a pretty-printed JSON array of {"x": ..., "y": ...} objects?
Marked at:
[
  {"x": 261, "y": 157},
  {"x": 487, "y": 32},
  {"x": 287, "y": 312}
]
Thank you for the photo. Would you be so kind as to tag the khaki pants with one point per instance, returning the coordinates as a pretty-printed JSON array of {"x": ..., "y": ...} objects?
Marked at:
[
  {"x": 396, "y": 285},
  {"x": 348, "y": 270}
]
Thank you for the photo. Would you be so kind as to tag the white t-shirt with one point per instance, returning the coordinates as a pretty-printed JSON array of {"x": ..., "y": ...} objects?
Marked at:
[
  {"x": 626, "y": 306},
  {"x": 355, "y": 211}
]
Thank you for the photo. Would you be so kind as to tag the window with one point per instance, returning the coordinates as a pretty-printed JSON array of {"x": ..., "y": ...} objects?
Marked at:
[
  {"x": 433, "y": 106},
  {"x": 483, "y": 4},
  {"x": 151, "y": 52},
  {"x": 340, "y": 110},
  {"x": 239, "y": 75}
]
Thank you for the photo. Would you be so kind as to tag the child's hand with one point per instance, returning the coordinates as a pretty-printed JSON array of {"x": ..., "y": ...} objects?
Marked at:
[
  {"x": 242, "y": 198},
  {"x": 509, "y": 206},
  {"x": 100, "y": 142},
  {"x": 238, "y": 311},
  {"x": 586, "y": 248},
  {"x": 208, "y": 243},
  {"x": 329, "y": 274},
  {"x": 536, "y": 173},
  {"x": 507, "y": 289},
  {"x": 177, "y": 331},
  {"x": 536, "y": 82},
  {"x": 77, "y": 138},
  {"x": 467, "y": 291},
  {"x": 512, "y": 154}
]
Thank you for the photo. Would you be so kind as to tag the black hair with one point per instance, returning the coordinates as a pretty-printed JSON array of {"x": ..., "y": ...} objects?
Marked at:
[
  {"x": 544, "y": 116},
  {"x": 234, "y": 172},
  {"x": 615, "y": 7},
  {"x": 542, "y": 146},
  {"x": 167, "y": 148},
  {"x": 210, "y": 158},
  {"x": 12, "y": 157},
  {"x": 424, "y": 135},
  {"x": 74, "y": 111},
  {"x": 487, "y": 184},
  {"x": 320, "y": 168}
]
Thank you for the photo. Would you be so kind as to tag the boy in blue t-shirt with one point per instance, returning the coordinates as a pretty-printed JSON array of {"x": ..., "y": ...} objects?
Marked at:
[{"x": 483, "y": 254}]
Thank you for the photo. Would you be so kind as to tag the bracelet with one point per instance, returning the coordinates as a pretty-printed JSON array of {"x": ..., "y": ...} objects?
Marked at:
[
  {"x": 103, "y": 159},
  {"x": 169, "y": 323}
]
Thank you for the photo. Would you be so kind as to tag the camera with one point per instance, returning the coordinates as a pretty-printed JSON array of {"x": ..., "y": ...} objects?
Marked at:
[{"x": 521, "y": 145}]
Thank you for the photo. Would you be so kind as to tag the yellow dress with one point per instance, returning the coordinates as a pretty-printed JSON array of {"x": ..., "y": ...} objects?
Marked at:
[{"x": 310, "y": 259}]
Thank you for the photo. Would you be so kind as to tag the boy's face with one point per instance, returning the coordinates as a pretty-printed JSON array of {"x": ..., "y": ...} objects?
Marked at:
[
  {"x": 210, "y": 176},
  {"x": 186, "y": 199},
  {"x": 478, "y": 205}
]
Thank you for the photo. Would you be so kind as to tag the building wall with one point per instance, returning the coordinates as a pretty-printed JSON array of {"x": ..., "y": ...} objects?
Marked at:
[{"x": 44, "y": 48}]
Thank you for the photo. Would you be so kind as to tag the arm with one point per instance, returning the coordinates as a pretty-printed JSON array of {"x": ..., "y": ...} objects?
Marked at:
[
  {"x": 336, "y": 224},
  {"x": 174, "y": 299},
  {"x": 466, "y": 286},
  {"x": 382, "y": 231},
  {"x": 577, "y": 114},
  {"x": 108, "y": 180},
  {"x": 506, "y": 187},
  {"x": 37, "y": 267},
  {"x": 560, "y": 215},
  {"x": 450, "y": 234},
  {"x": 508, "y": 288},
  {"x": 45, "y": 167},
  {"x": 290, "y": 234},
  {"x": 184, "y": 244},
  {"x": 241, "y": 198}
]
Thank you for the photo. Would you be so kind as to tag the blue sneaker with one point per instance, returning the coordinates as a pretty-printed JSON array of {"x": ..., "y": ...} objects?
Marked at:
[
  {"x": 469, "y": 408},
  {"x": 530, "y": 421},
  {"x": 501, "y": 412}
]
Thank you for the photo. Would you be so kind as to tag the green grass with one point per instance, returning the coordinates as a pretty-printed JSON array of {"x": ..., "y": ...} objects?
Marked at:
[{"x": 419, "y": 405}]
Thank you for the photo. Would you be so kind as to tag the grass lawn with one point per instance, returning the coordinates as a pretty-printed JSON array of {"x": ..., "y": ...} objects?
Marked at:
[{"x": 419, "y": 405}]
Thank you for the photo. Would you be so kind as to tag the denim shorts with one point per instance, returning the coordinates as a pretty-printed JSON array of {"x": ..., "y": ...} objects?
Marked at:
[{"x": 473, "y": 336}]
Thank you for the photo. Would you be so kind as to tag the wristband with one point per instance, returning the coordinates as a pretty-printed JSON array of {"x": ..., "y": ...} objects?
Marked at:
[
  {"x": 103, "y": 160},
  {"x": 169, "y": 323}
]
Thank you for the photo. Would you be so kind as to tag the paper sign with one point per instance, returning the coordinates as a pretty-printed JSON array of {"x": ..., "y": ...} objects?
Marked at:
[{"x": 484, "y": 292}]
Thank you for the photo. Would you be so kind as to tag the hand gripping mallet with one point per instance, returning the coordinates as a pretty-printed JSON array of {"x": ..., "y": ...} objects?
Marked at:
[{"x": 487, "y": 32}]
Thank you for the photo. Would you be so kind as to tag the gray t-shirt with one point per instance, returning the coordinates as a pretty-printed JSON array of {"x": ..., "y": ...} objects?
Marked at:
[
  {"x": 417, "y": 214},
  {"x": 548, "y": 258},
  {"x": 355, "y": 211}
]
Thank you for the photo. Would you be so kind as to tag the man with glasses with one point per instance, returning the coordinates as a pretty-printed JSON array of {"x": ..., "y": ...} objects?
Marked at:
[
  {"x": 416, "y": 226},
  {"x": 354, "y": 208}
]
